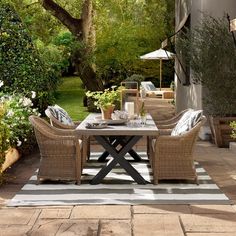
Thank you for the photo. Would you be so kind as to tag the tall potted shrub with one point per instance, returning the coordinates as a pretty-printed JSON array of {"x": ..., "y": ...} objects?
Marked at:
[{"x": 211, "y": 52}]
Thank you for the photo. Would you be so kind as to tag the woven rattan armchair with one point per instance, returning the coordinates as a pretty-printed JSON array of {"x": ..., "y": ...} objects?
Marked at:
[
  {"x": 60, "y": 152},
  {"x": 170, "y": 123},
  {"x": 171, "y": 157},
  {"x": 58, "y": 124}
]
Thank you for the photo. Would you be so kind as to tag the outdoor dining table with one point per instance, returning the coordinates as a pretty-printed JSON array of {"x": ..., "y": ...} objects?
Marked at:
[{"x": 122, "y": 135}]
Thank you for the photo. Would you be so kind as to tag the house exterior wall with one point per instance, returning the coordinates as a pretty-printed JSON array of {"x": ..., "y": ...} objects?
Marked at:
[{"x": 192, "y": 95}]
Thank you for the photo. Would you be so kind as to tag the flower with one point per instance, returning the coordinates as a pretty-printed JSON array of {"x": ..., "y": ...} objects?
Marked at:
[
  {"x": 14, "y": 123},
  {"x": 106, "y": 98},
  {"x": 27, "y": 102},
  {"x": 1, "y": 83},
  {"x": 33, "y": 94},
  {"x": 18, "y": 143}
]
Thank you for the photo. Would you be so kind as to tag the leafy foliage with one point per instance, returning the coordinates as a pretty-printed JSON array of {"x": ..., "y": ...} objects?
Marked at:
[
  {"x": 233, "y": 126},
  {"x": 210, "y": 50},
  {"x": 124, "y": 31},
  {"x": 21, "y": 68},
  {"x": 105, "y": 99},
  {"x": 137, "y": 78},
  {"x": 15, "y": 129}
]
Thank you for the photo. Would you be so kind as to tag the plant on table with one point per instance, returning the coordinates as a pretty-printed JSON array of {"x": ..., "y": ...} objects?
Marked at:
[{"x": 105, "y": 100}]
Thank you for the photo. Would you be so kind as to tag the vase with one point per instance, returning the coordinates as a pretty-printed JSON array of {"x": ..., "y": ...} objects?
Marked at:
[{"x": 107, "y": 111}]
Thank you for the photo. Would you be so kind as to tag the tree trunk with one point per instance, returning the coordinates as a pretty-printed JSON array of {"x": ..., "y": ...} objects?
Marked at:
[{"x": 82, "y": 29}]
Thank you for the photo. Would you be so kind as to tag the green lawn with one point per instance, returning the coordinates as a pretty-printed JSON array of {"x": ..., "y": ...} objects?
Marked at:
[{"x": 70, "y": 96}]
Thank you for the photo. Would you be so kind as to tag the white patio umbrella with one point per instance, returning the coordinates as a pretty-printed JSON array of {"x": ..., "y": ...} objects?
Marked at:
[{"x": 159, "y": 54}]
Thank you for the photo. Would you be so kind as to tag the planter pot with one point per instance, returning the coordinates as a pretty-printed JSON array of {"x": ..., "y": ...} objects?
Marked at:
[
  {"x": 221, "y": 131},
  {"x": 11, "y": 157},
  {"x": 232, "y": 147},
  {"x": 106, "y": 112}
]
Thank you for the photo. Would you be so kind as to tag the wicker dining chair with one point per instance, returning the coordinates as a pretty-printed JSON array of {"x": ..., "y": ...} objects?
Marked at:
[
  {"x": 86, "y": 140},
  {"x": 60, "y": 152},
  {"x": 171, "y": 157},
  {"x": 170, "y": 123}
]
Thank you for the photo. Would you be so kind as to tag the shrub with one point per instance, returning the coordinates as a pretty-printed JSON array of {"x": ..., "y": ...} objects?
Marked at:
[
  {"x": 15, "y": 112},
  {"x": 21, "y": 68},
  {"x": 209, "y": 48},
  {"x": 135, "y": 77}
]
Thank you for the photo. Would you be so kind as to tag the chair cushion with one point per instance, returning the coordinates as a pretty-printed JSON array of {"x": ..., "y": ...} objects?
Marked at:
[
  {"x": 187, "y": 122},
  {"x": 60, "y": 114}
]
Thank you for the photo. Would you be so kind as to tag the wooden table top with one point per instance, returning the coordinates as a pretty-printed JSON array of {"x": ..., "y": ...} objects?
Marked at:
[{"x": 150, "y": 129}]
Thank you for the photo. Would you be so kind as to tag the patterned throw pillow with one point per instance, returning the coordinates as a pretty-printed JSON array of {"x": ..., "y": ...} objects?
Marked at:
[
  {"x": 187, "y": 122},
  {"x": 60, "y": 114}
]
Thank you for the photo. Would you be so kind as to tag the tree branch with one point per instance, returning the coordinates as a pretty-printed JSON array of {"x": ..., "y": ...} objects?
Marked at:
[
  {"x": 31, "y": 4},
  {"x": 73, "y": 24}
]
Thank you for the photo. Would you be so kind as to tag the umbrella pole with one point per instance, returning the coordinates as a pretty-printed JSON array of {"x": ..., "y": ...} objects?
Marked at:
[{"x": 160, "y": 72}]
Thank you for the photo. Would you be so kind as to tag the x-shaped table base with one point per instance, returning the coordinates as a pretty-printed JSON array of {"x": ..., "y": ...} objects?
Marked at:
[
  {"x": 116, "y": 141},
  {"x": 118, "y": 157}
]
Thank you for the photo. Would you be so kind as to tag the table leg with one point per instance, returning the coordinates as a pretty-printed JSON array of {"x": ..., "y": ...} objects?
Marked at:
[
  {"x": 118, "y": 157},
  {"x": 119, "y": 140}
]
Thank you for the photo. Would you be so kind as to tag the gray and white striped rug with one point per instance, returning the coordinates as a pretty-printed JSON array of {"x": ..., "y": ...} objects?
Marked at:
[{"x": 119, "y": 188}]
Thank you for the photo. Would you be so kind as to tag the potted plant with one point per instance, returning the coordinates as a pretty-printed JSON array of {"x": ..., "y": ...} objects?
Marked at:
[
  {"x": 105, "y": 100},
  {"x": 210, "y": 51}
]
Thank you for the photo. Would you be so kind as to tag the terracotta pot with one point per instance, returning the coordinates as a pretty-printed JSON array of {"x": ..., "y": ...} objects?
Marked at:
[
  {"x": 106, "y": 112},
  {"x": 11, "y": 157}
]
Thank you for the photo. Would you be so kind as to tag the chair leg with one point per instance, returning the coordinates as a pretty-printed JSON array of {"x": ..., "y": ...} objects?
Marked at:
[
  {"x": 155, "y": 181},
  {"x": 79, "y": 162},
  {"x": 38, "y": 180},
  {"x": 88, "y": 147}
]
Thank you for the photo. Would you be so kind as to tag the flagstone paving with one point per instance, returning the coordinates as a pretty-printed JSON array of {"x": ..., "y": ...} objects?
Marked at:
[{"x": 125, "y": 220}]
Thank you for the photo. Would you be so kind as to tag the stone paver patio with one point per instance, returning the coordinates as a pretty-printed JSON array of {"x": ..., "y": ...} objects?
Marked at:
[{"x": 125, "y": 220}]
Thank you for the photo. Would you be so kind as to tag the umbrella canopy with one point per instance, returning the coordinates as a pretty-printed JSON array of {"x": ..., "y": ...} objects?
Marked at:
[{"x": 159, "y": 54}]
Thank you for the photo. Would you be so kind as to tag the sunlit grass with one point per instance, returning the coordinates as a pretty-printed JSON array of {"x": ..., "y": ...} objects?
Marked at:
[{"x": 70, "y": 96}]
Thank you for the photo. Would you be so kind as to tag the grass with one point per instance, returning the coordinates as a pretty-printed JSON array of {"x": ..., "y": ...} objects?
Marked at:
[{"x": 70, "y": 96}]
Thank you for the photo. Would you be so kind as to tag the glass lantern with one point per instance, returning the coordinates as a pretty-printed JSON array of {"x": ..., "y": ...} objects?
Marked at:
[{"x": 129, "y": 97}]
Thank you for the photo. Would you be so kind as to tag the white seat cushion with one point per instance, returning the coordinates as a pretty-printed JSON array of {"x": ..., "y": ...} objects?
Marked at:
[
  {"x": 60, "y": 114},
  {"x": 187, "y": 122}
]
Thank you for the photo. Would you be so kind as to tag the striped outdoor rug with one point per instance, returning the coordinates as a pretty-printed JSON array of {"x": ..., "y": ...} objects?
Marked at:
[{"x": 119, "y": 188}]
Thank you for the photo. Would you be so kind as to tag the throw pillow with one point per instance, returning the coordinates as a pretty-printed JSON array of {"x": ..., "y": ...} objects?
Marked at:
[
  {"x": 60, "y": 114},
  {"x": 187, "y": 122}
]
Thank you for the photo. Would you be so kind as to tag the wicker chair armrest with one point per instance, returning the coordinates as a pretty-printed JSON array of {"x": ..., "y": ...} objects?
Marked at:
[
  {"x": 165, "y": 131},
  {"x": 60, "y": 137},
  {"x": 172, "y": 120},
  {"x": 60, "y": 125},
  {"x": 168, "y": 138},
  {"x": 167, "y": 122},
  {"x": 63, "y": 132},
  {"x": 166, "y": 126}
]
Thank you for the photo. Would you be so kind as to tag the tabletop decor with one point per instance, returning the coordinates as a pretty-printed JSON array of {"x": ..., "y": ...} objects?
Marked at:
[
  {"x": 143, "y": 114},
  {"x": 105, "y": 100},
  {"x": 129, "y": 97}
]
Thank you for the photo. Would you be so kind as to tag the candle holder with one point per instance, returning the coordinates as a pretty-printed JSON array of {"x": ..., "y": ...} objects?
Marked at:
[{"x": 129, "y": 96}]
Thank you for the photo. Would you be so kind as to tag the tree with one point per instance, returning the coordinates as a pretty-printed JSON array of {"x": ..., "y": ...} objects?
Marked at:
[
  {"x": 82, "y": 29},
  {"x": 125, "y": 29}
]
